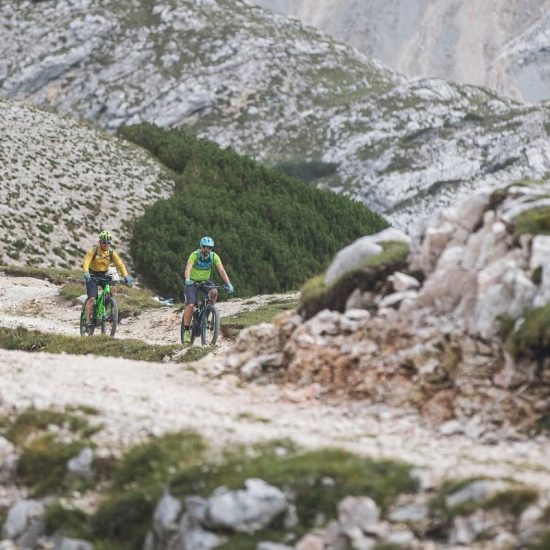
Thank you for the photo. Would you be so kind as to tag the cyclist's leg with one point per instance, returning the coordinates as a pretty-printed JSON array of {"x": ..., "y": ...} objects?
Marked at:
[
  {"x": 212, "y": 292},
  {"x": 190, "y": 299},
  {"x": 91, "y": 290}
]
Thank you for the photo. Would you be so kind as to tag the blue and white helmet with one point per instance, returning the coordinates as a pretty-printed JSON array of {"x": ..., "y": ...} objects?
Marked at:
[{"x": 207, "y": 241}]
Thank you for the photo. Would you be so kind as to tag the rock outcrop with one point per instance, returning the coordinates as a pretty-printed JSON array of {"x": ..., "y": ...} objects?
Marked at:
[{"x": 459, "y": 333}]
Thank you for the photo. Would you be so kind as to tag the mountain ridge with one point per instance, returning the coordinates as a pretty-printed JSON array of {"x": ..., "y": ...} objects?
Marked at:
[{"x": 273, "y": 90}]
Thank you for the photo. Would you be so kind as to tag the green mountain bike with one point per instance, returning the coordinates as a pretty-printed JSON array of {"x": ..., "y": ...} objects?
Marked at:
[
  {"x": 206, "y": 318},
  {"x": 104, "y": 311}
]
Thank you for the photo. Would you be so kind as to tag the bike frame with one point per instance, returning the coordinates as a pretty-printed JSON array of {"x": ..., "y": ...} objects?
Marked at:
[
  {"x": 104, "y": 309},
  {"x": 201, "y": 310},
  {"x": 100, "y": 301}
]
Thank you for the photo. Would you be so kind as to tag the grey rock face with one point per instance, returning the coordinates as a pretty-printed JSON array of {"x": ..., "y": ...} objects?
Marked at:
[
  {"x": 354, "y": 256},
  {"x": 25, "y": 523},
  {"x": 501, "y": 44},
  {"x": 81, "y": 465}
]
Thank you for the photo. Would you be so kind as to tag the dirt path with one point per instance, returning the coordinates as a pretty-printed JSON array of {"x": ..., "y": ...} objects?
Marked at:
[
  {"x": 36, "y": 304},
  {"x": 137, "y": 399}
]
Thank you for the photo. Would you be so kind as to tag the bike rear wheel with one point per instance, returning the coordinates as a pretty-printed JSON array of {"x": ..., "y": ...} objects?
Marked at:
[
  {"x": 194, "y": 328},
  {"x": 109, "y": 321},
  {"x": 210, "y": 325}
]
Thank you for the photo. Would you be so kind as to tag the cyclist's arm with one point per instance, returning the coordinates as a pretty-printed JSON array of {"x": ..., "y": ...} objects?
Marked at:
[
  {"x": 187, "y": 270},
  {"x": 223, "y": 274},
  {"x": 88, "y": 260},
  {"x": 119, "y": 264}
]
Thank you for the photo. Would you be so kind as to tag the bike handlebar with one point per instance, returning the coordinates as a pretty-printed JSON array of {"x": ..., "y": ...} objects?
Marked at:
[
  {"x": 203, "y": 284},
  {"x": 108, "y": 279}
]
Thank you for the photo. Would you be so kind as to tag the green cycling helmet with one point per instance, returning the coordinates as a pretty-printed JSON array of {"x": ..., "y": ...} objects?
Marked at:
[{"x": 105, "y": 237}]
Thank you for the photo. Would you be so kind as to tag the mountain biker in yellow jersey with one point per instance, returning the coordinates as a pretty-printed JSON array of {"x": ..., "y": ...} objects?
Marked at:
[
  {"x": 199, "y": 269},
  {"x": 96, "y": 264}
]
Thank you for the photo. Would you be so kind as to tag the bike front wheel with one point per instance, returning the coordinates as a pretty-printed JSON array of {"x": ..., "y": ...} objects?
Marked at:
[
  {"x": 109, "y": 321},
  {"x": 83, "y": 320},
  {"x": 210, "y": 326},
  {"x": 83, "y": 331}
]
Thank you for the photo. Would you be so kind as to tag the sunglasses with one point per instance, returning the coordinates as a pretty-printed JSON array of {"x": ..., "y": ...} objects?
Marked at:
[{"x": 207, "y": 247}]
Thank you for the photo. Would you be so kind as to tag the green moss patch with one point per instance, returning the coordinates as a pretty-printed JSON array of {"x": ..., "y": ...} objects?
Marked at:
[
  {"x": 42, "y": 465},
  {"x": 54, "y": 275},
  {"x": 316, "y": 295},
  {"x": 532, "y": 339},
  {"x": 232, "y": 325},
  {"x": 534, "y": 222},
  {"x": 513, "y": 500},
  {"x": 17, "y": 429},
  {"x": 31, "y": 340},
  {"x": 317, "y": 479},
  {"x": 124, "y": 518}
]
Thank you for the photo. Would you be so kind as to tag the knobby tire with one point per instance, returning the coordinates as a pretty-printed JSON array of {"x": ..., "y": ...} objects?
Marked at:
[
  {"x": 109, "y": 322},
  {"x": 210, "y": 325},
  {"x": 83, "y": 321}
]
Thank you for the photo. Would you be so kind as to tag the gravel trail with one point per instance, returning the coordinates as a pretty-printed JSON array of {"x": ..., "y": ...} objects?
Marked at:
[{"x": 137, "y": 399}]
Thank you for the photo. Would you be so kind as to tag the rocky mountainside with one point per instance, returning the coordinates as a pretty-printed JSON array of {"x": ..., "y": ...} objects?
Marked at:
[
  {"x": 62, "y": 181},
  {"x": 272, "y": 89},
  {"x": 503, "y": 44}
]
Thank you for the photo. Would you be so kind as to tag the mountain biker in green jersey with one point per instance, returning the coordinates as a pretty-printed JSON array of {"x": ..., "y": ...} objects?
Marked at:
[
  {"x": 96, "y": 264},
  {"x": 199, "y": 268}
]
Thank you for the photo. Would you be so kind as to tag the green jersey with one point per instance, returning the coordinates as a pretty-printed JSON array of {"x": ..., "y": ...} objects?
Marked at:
[{"x": 203, "y": 267}]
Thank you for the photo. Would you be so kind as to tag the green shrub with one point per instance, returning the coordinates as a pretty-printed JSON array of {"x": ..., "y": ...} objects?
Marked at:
[
  {"x": 271, "y": 231},
  {"x": 32, "y": 420},
  {"x": 43, "y": 463},
  {"x": 233, "y": 324},
  {"x": 308, "y": 171},
  {"x": 152, "y": 461},
  {"x": 317, "y": 479},
  {"x": 534, "y": 222},
  {"x": 31, "y": 340},
  {"x": 122, "y": 521},
  {"x": 532, "y": 339},
  {"x": 70, "y": 521}
]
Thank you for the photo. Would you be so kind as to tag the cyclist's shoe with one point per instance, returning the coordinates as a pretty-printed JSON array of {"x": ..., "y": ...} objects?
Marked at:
[
  {"x": 186, "y": 337},
  {"x": 89, "y": 327}
]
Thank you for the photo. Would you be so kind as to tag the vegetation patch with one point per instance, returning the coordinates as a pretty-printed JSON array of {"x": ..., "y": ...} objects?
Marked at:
[
  {"x": 272, "y": 231},
  {"x": 65, "y": 519},
  {"x": 317, "y": 479},
  {"x": 18, "y": 429},
  {"x": 513, "y": 500},
  {"x": 125, "y": 517},
  {"x": 54, "y": 275},
  {"x": 308, "y": 171},
  {"x": 316, "y": 295},
  {"x": 32, "y": 340},
  {"x": 232, "y": 325},
  {"x": 42, "y": 465},
  {"x": 532, "y": 339},
  {"x": 534, "y": 222}
]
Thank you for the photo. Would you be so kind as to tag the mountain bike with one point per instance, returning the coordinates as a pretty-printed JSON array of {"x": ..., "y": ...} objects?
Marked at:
[
  {"x": 104, "y": 311},
  {"x": 206, "y": 318}
]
